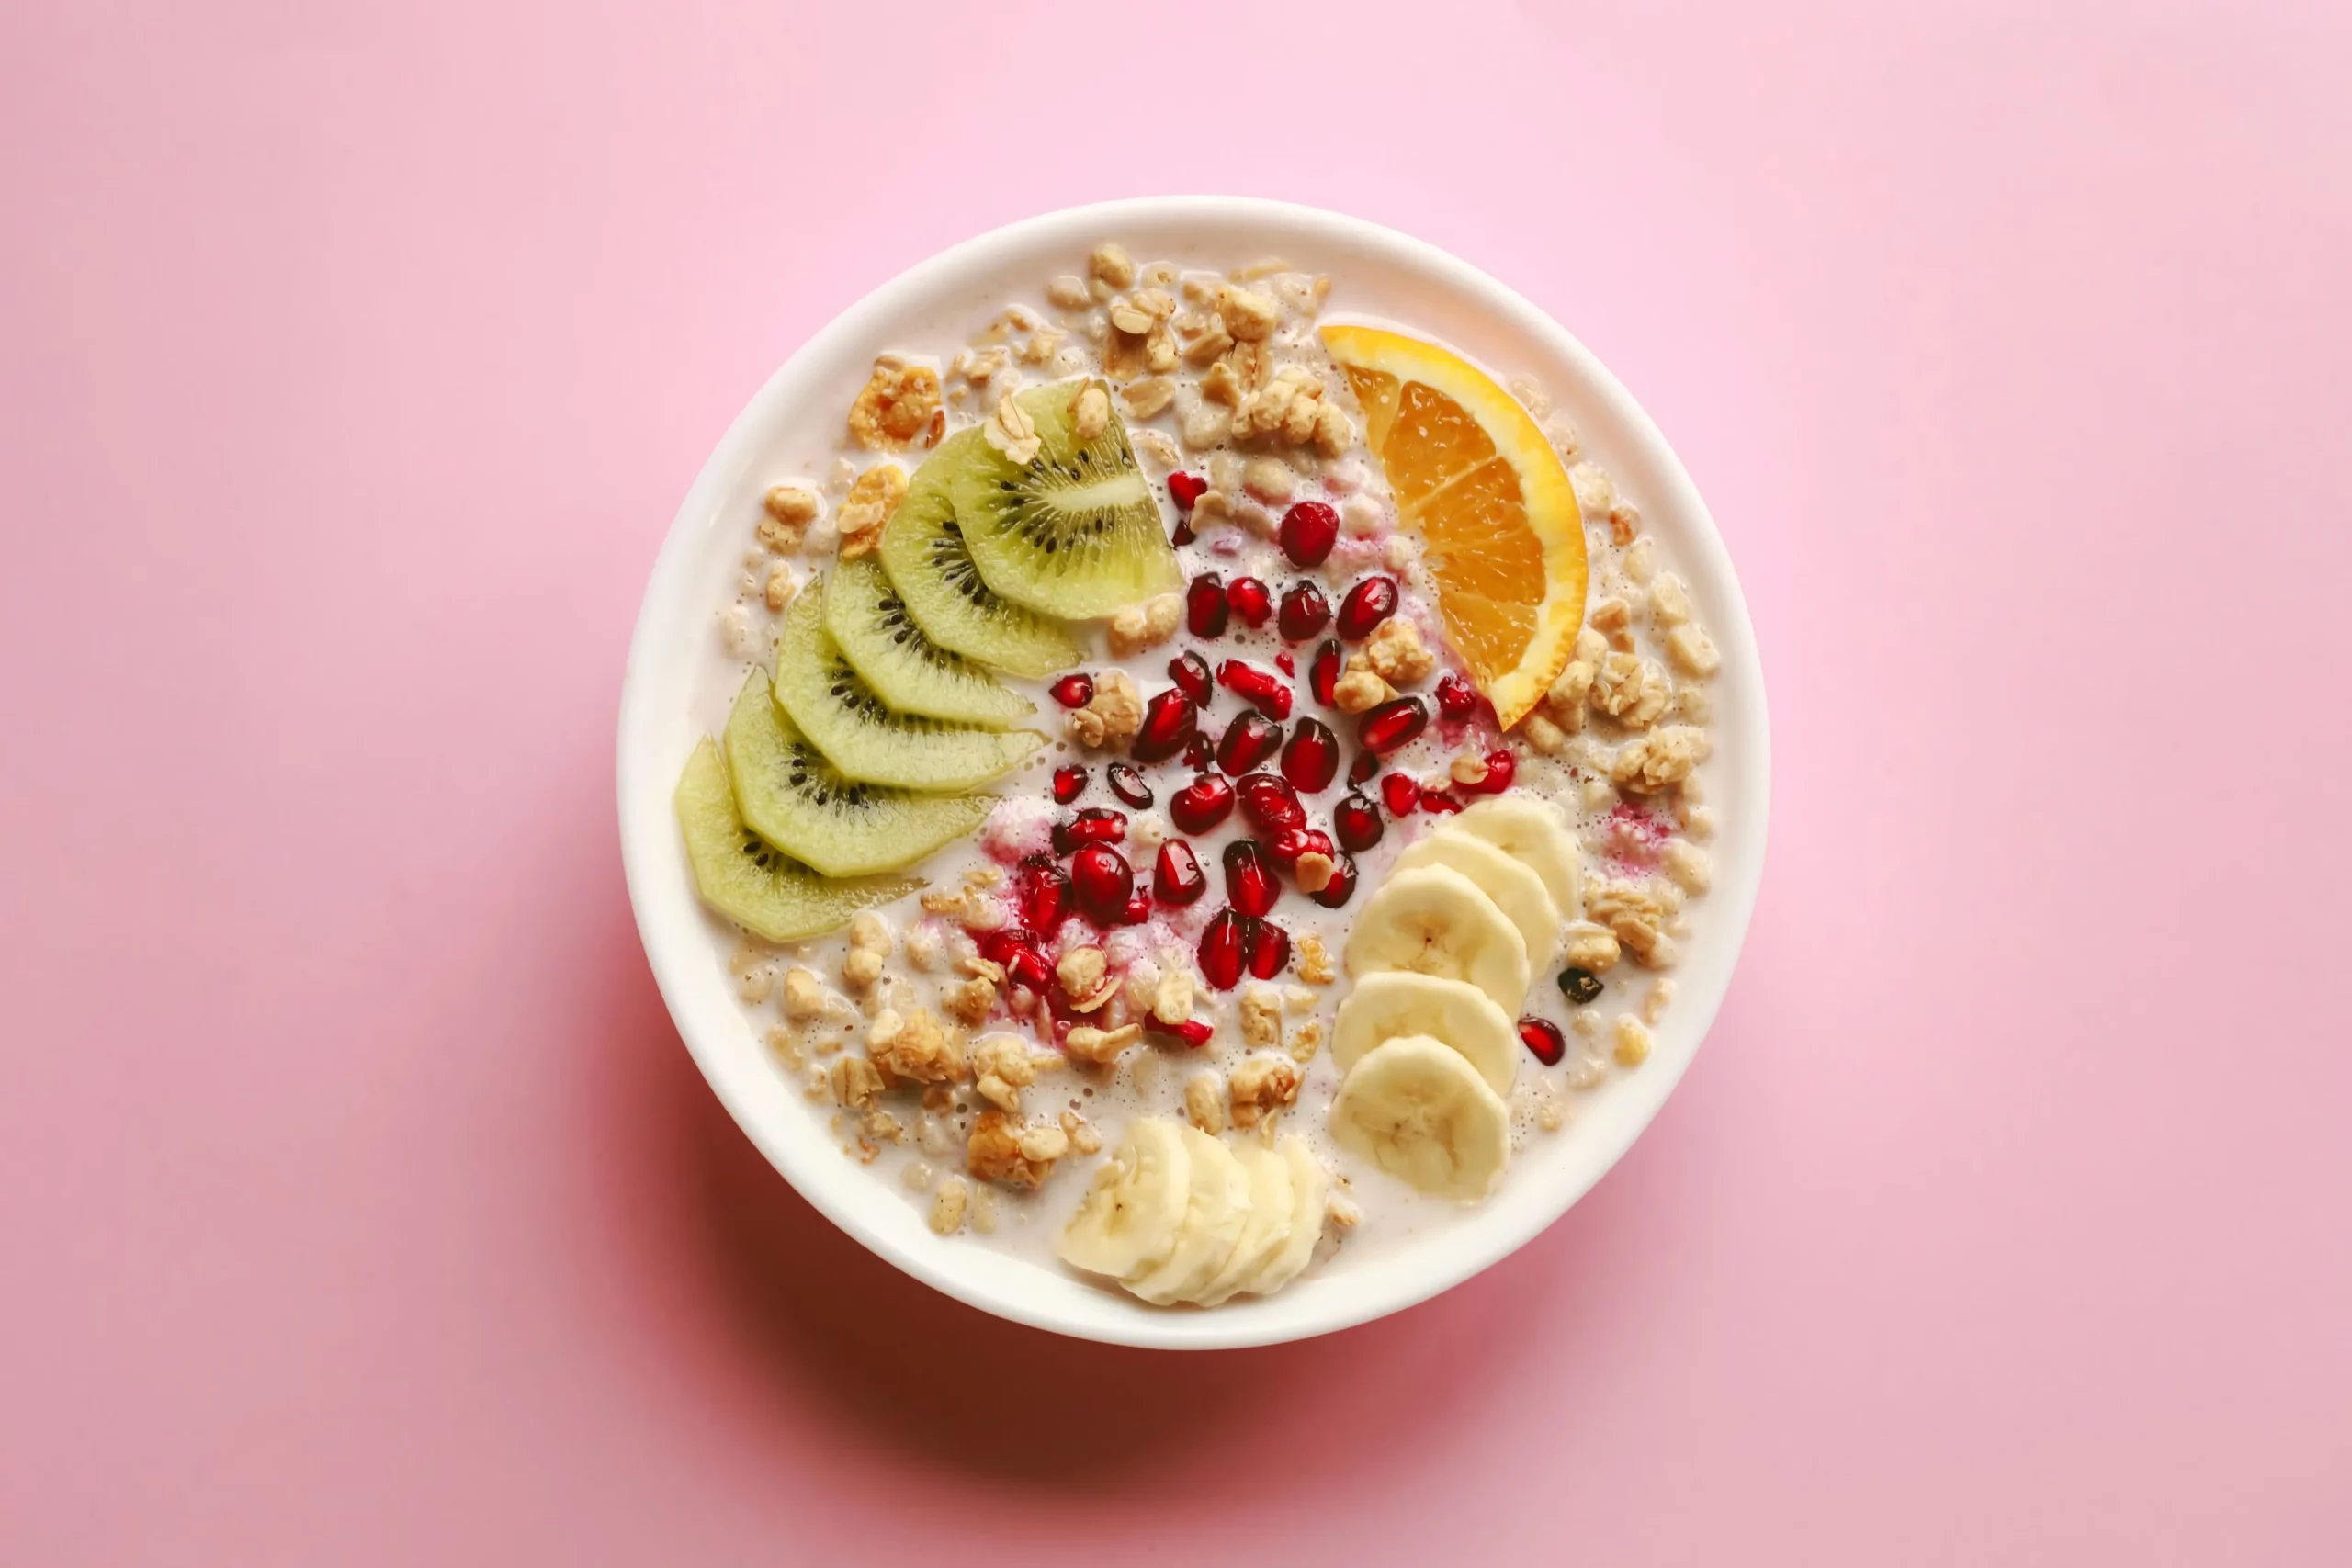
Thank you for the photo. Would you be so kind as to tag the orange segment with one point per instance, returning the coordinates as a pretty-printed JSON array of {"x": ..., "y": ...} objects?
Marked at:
[{"x": 1473, "y": 474}]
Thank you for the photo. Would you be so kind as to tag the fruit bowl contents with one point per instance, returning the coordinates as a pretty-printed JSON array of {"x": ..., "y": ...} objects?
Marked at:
[{"x": 1208, "y": 780}]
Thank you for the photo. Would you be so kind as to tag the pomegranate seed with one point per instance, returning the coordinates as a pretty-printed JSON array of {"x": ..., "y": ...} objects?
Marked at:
[
  {"x": 1074, "y": 691},
  {"x": 1368, "y": 604},
  {"x": 1169, "y": 720},
  {"x": 1251, "y": 601},
  {"x": 1502, "y": 767},
  {"x": 1182, "y": 534},
  {"x": 1186, "y": 489},
  {"x": 1201, "y": 805},
  {"x": 1285, "y": 663},
  {"x": 1393, "y": 723},
  {"x": 1176, "y": 875},
  {"x": 1220, "y": 951},
  {"x": 1323, "y": 675},
  {"x": 1309, "y": 530},
  {"x": 1043, "y": 888},
  {"x": 1248, "y": 740},
  {"x": 1362, "y": 770},
  {"x": 1191, "y": 673},
  {"x": 1250, "y": 883},
  {"x": 1139, "y": 910},
  {"x": 1303, "y": 612},
  {"x": 1104, "y": 882},
  {"x": 1403, "y": 795},
  {"x": 999, "y": 945},
  {"x": 1193, "y": 1031},
  {"x": 1093, "y": 825},
  {"x": 1069, "y": 783},
  {"x": 1437, "y": 800},
  {"x": 1290, "y": 844},
  {"x": 1027, "y": 969},
  {"x": 1311, "y": 756},
  {"x": 1542, "y": 1036},
  {"x": 1456, "y": 698},
  {"x": 1342, "y": 885},
  {"x": 1270, "y": 802},
  {"x": 1263, "y": 689},
  {"x": 1198, "y": 752},
  {"x": 1268, "y": 949},
  {"x": 1129, "y": 785},
  {"x": 1356, "y": 821},
  {"x": 1204, "y": 606}
]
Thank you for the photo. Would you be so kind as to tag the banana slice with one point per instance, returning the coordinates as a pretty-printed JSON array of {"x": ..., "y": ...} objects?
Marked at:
[
  {"x": 1517, "y": 891},
  {"x": 1129, "y": 1219},
  {"x": 1433, "y": 921},
  {"x": 1215, "y": 1213},
  {"x": 1531, "y": 830},
  {"x": 1269, "y": 1227},
  {"x": 1421, "y": 1112},
  {"x": 1309, "y": 1189},
  {"x": 1382, "y": 1007}
]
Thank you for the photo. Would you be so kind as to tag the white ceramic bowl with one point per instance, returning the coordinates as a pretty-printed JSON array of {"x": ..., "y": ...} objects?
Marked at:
[{"x": 666, "y": 705}]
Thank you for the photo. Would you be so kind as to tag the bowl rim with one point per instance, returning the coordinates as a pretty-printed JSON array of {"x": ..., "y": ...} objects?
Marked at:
[{"x": 645, "y": 789}]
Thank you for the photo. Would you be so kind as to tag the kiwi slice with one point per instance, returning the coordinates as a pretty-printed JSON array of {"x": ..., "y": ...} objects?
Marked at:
[
  {"x": 925, "y": 556},
  {"x": 905, "y": 668},
  {"x": 1075, "y": 532},
  {"x": 749, "y": 880},
  {"x": 824, "y": 699},
  {"x": 795, "y": 800}
]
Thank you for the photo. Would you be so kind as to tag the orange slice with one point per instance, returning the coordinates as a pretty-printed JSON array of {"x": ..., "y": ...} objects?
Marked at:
[{"x": 1491, "y": 500}]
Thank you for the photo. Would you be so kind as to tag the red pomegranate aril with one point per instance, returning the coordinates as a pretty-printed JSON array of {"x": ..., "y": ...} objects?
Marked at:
[
  {"x": 1270, "y": 802},
  {"x": 1193, "y": 1031},
  {"x": 1364, "y": 770},
  {"x": 1169, "y": 720},
  {"x": 1186, "y": 489},
  {"x": 1074, "y": 691},
  {"x": 1501, "y": 768},
  {"x": 1104, "y": 881},
  {"x": 1220, "y": 951},
  {"x": 1191, "y": 673},
  {"x": 1263, "y": 689},
  {"x": 1139, "y": 910},
  {"x": 1402, "y": 795},
  {"x": 1309, "y": 530},
  {"x": 999, "y": 945},
  {"x": 1069, "y": 783},
  {"x": 1303, "y": 612},
  {"x": 1093, "y": 825},
  {"x": 1176, "y": 874},
  {"x": 1250, "y": 885},
  {"x": 1129, "y": 785},
  {"x": 1268, "y": 949},
  {"x": 1368, "y": 604},
  {"x": 1027, "y": 969},
  {"x": 1335, "y": 893},
  {"x": 1393, "y": 724},
  {"x": 1356, "y": 823},
  {"x": 1248, "y": 740},
  {"x": 1311, "y": 756},
  {"x": 1287, "y": 846},
  {"x": 1201, "y": 805},
  {"x": 1250, "y": 600},
  {"x": 1204, "y": 606},
  {"x": 1323, "y": 675},
  {"x": 1437, "y": 800},
  {"x": 1043, "y": 888},
  {"x": 1456, "y": 697},
  {"x": 1199, "y": 752},
  {"x": 1285, "y": 663},
  {"x": 1542, "y": 1036}
]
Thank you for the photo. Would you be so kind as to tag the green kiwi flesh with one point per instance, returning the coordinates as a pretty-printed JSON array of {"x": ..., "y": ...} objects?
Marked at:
[
  {"x": 749, "y": 880},
  {"x": 903, "y": 666},
  {"x": 925, "y": 558}
]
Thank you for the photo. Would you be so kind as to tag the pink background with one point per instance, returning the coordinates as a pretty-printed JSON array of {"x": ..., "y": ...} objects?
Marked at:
[{"x": 360, "y": 1204}]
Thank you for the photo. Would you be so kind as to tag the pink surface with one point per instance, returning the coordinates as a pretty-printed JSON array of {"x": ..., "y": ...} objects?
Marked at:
[{"x": 360, "y": 1204}]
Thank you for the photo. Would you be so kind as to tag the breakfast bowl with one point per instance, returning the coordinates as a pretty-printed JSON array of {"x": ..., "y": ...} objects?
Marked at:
[{"x": 1663, "y": 792}]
